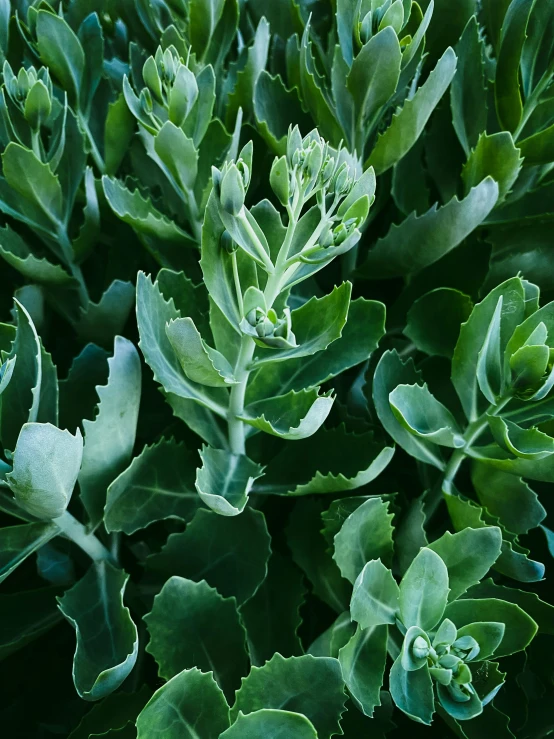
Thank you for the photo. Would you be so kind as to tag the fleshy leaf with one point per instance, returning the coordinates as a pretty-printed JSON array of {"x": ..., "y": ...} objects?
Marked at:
[
  {"x": 412, "y": 692},
  {"x": 468, "y": 556},
  {"x": 229, "y": 552},
  {"x": 271, "y": 723},
  {"x": 158, "y": 484},
  {"x": 200, "y": 362},
  {"x": 46, "y": 463},
  {"x": 18, "y": 542},
  {"x": 295, "y": 415},
  {"x": 225, "y": 480},
  {"x": 365, "y": 535},
  {"x": 433, "y": 321},
  {"x": 424, "y": 591},
  {"x": 110, "y": 438},
  {"x": 531, "y": 444},
  {"x": 312, "y": 686},
  {"x": 362, "y": 661},
  {"x": 213, "y": 636},
  {"x": 189, "y": 703},
  {"x": 107, "y": 639},
  {"x": 376, "y": 597},
  {"x": 423, "y": 415},
  {"x": 25, "y": 616}
]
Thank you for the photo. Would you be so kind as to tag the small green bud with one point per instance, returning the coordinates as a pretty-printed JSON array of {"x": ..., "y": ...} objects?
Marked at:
[
  {"x": 227, "y": 242},
  {"x": 22, "y": 84},
  {"x": 294, "y": 143},
  {"x": 279, "y": 179},
  {"x": 232, "y": 192},
  {"x": 152, "y": 78},
  {"x": 314, "y": 160},
  {"x": 420, "y": 647},
  {"x": 327, "y": 170},
  {"x": 170, "y": 63},
  {"x": 146, "y": 101},
  {"x": 342, "y": 182},
  {"x": 38, "y": 105}
]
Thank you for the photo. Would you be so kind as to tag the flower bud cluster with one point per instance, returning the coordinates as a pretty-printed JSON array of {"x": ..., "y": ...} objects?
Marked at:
[
  {"x": 31, "y": 93},
  {"x": 171, "y": 89}
]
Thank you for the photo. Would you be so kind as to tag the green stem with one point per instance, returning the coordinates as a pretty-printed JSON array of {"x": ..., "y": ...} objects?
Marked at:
[
  {"x": 238, "y": 394},
  {"x": 35, "y": 144},
  {"x": 95, "y": 153},
  {"x": 472, "y": 433},
  {"x": 68, "y": 258},
  {"x": 75, "y": 531},
  {"x": 533, "y": 100}
]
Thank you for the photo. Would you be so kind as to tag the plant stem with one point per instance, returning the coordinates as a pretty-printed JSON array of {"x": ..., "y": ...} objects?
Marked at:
[
  {"x": 75, "y": 531},
  {"x": 238, "y": 393},
  {"x": 95, "y": 153},
  {"x": 35, "y": 144}
]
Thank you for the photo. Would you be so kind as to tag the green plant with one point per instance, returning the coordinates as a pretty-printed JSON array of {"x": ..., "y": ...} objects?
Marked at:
[{"x": 259, "y": 508}]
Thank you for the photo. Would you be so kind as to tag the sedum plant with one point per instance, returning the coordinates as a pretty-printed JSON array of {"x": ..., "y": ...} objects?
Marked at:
[
  {"x": 249, "y": 363},
  {"x": 501, "y": 371}
]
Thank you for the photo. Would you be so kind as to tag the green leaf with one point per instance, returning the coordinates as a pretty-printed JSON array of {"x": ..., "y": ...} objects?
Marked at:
[
  {"x": 359, "y": 339},
  {"x": 460, "y": 710},
  {"x": 107, "y": 639},
  {"x": 419, "y": 241},
  {"x": 230, "y": 553},
  {"x": 472, "y": 338},
  {"x": 391, "y": 371},
  {"x": 271, "y": 616},
  {"x": 271, "y": 723},
  {"x": 110, "y": 438},
  {"x": 362, "y": 662},
  {"x": 538, "y": 148},
  {"x": 424, "y": 416},
  {"x": 488, "y": 634},
  {"x": 541, "y": 612},
  {"x": 375, "y": 599},
  {"x": 275, "y": 107},
  {"x": 214, "y": 637},
  {"x": 508, "y": 497},
  {"x": 118, "y": 131},
  {"x": 26, "y": 615},
  {"x": 373, "y": 78},
  {"x": 189, "y": 703},
  {"x": 412, "y": 692},
  {"x": 112, "y": 716},
  {"x": 312, "y": 686},
  {"x": 293, "y": 416},
  {"x": 158, "y": 484},
  {"x": 199, "y": 362},
  {"x": 509, "y": 107},
  {"x": 513, "y": 560},
  {"x": 468, "y": 556},
  {"x": 316, "y": 324},
  {"x": 433, "y": 321},
  {"x": 203, "y": 20},
  {"x": 310, "y": 552},
  {"x": 242, "y": 95},
  {"x": 494, "y": 156},
  {"x": 153, "y": 314},
  {"x": 530, "y": 444},
  {"x": 18, "y": 255},
  {"x": 138, "y": 212},
  {"x": 408, "y": 124},
  {"x": 334, "y": 638},
  {"x": 101, "y": 322},
  {"x": 520, "y": 628},
  {"x": 177, "y": 155},
  {"x": 424, "y": 591},
  {"x": 45, "y": 467},
  {"x": 330, "y": 461},
  {"x": 33, "y": 180},
  {"x": 225, "y": 480},
  {"x": 18, "y": 542},
  {"x": 365, "y": 535},
  {"x": 468, "y": 95},
  {"x": 61, "y": 51}
]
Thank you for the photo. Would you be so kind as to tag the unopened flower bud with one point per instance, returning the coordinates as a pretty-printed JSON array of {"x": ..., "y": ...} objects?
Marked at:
[
  {"x": 146, "y": 101},
  {"x": 420, "y": 647},
  {"x": 232, "y": 192},
  {"x": 152, "y": 79},
  {"x": 227, "y": 242}
]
